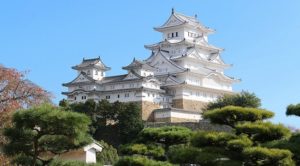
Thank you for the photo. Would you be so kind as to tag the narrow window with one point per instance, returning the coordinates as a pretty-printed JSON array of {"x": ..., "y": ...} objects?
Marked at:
[
  {"x": 176, "y": 34},
  {"x": 74, "y": 98},
  {"x": 107, "y": 97},
  {"x": 172, "y": 34},
  {"x": 118, "y": 96}
]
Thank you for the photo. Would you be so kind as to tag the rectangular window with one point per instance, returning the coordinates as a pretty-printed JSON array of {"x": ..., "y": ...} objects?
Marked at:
[
  {"x": 74, "y": 98},
  {"x": 176, "y": 34},
  {"x": 118, "y": 96},
  {"x": 107, "y": 97},
  {"x": 172, "y": 34},
  {"x": 83, "y": 97}
]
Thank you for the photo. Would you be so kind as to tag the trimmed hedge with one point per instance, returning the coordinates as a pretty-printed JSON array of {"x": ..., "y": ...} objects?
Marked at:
[
  {"x": 108, "y": 155},
  {"x": 140, "y": 161},
  {"x": 243, "y": 99},
  {"x": 151, "y": 150},
  {"x": 230, "y": 115},
  {"x": 167, "y": 135},
  {"x": 265, "y": 156},
  {"x": 292, "y": 144},
  {"x": 293, "y": 110},
  {"x": 263, "y": 131},
  {"x": 211, "y": 138},
  {"x": 184, "y": 155},
  {"x": 71, "y": 163},
  {"x": 239, "y": 144}
]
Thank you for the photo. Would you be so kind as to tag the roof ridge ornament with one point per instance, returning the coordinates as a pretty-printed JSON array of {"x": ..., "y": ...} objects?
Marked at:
[{"x": 173, "y": 10}]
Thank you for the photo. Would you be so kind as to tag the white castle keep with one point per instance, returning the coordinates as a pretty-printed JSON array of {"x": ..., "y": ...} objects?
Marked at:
[{"x": 183, "y": 73}]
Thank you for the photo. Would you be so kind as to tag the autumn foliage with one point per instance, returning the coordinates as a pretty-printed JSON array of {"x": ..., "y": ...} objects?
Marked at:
[{"x": 18, "y": 92}]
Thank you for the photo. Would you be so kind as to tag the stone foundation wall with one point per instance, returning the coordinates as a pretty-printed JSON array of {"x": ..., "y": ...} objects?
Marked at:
[
  {"x": 147, "y": 110},
  {"x": 191, "y": 105}
]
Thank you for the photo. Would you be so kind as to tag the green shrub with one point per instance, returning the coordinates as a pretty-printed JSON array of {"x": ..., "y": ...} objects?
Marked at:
[
  {"x": 150, "y": 150},
  {"x": 230, "y": 115},
  {"x": 239, "y": 144},
  {"x": 71, "y": 163},
  {"x": 265, "y": 156},
  {"x": 140, "y": 161},
  {"x": 293, "y": 110},
  {"x": 209, "y": 156},
  {"x": 108, "y": 155},
  {"x": 292, "y": 144},
  {"x": 167, "y": 135},
  {"x": 211, "y": 138},
  {"x": 243, "y": 99},
  {"x": 263, "y": 131},
  {"x": 179, "y": 154}
]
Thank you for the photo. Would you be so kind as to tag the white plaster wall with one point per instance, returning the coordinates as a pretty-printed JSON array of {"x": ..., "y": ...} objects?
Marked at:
[
  {"x": 198, "y": 95},
  {"x": 191, "y": 30},
  {"x": 175, "y": 114},
  {"x": 150, "y": 85},
  {"x": 91, "y": 156},
  {"x": 122, "y": 98},
  {"x": 195, "y": 116},
  {"x": 193, "y": 80},
  {"x": 151, "y": 97},
  {"x": 212, "y": 83},
  {"x": 174, "y": 39}
]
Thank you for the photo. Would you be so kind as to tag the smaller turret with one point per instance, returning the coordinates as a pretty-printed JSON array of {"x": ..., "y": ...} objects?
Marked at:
[
  {"x": 94, "y": 68},
  {"x": 139, "y": 67}
]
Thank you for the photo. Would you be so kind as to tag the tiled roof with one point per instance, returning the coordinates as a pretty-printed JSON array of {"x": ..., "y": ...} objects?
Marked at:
[
  {"x": 137, "y": 64},
  {"x": 94, "y": 62}
]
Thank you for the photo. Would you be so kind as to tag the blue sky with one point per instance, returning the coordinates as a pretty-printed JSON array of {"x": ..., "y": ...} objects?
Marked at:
[{"x": 261, "y": 40}]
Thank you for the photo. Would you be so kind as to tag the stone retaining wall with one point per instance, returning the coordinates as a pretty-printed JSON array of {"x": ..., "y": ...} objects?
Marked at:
[{"x": 191, "y": 105}]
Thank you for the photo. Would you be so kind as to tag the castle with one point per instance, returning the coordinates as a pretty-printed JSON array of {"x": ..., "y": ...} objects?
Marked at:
[{"x": 183, "y": 73}]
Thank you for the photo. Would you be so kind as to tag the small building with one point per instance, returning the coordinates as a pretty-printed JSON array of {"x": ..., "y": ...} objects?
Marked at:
[
  {"x": 182, "y": 74},
  {"x": 86, "y": 154}
]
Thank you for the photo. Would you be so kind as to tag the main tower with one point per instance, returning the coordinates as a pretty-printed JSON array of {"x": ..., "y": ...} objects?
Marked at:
[{"x": 191, "y": 69}]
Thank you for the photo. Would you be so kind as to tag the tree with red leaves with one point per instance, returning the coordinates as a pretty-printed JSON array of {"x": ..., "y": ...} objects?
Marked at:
[{"x": 17, "y": 92}]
